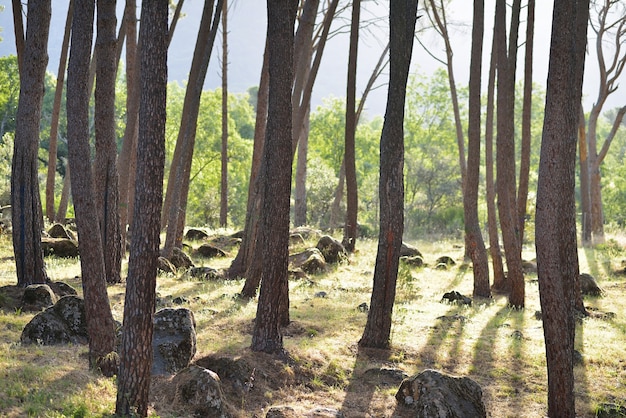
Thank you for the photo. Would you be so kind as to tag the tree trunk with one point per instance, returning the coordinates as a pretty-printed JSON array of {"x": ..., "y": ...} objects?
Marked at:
[
  {"x": 505, "y": 152},
  {"x": 243, "y": 259},
  {"x": 54, "y": 122},
  {"x": 27, "y": 217},
  {"x": 178, "y": 181},
  {"x": 107, "y": 188},
  {"x": 300, "y": 205},
  {"x": 224, "y": 172},
  {"x": 557, "y": 255},
  {"x": 402, "y": 17},
  {"x": 352, "y": 201},
  {"x": 100, "y": 325},
  {"x": 18, "y": 27},
  {"x": 175, "y": 18},
  {"x": 276, "y": 168},
  {"x": 61, "y": 213},
  {"x": 522, "y": 196},
  {"x": 474, "y": 244},
  {"x": 133, "y": 384},
  {"x": 585, "y": 196},
  {"x": 499, "y": 283},
  {"x": 128, "y": 154},
  {"x": 336, "y": 206}
]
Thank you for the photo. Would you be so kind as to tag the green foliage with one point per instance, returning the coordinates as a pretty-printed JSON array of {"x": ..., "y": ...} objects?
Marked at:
[
  {"x": 6, "y": 155},
  {"x": 321, "y": 185},
  {"x": 9, "y": 93}
]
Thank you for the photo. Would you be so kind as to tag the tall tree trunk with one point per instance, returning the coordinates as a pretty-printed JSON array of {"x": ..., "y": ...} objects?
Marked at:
[
  {"x": 505, "y": 152},
  {"x": 499, "y": 282},
  {"x": 402, "y": 17},
  {"x": 107, "y": 188},
  {"x": 18, "y": 27},
  {"x": 65, "y": 194},
  {"x": 54, "y": 122},
  {"x": 276, "y": 168},
  {"x": 300, "y": 204},
  {"x": 474, "y": 243},
  {"x": 585, "y": 195},
  {"x": 243, "y": 259},
  {"x": 178, "y": 182},
  {"x": 352, "y": 201},
  {"x": 26, "y": 213},
  {"x": 224, "y": 172},
  {"x": 133, "y": 383},
  {"x": 336, "y": 206},
  {"x": 522, "y": 195},
  {"x": 128, "y": 154},
  {"x": 100, "y": 324},
  {"x": 557, "y": 255},
  {"x": 175, "y": 18}
]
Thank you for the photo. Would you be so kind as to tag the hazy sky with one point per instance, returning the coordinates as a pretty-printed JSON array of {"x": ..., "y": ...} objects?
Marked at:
[{"x": 247, "y": 27}]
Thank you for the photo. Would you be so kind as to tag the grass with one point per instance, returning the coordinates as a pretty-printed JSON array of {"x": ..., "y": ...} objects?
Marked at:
[{"x": 500, "y": 348}]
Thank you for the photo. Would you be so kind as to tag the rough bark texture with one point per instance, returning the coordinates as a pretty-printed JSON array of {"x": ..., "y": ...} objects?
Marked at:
[
  {"x": 276, "y": 168},
  {"x": 178, "y": 181},
  {"x": 128, "y": 155},
  {"x": 505, "y": 152},
  {"x": 107, "y": 188},
  {"x": 136, "y": 350},
  {"x": 100, "y": 323},
  {"x": 27, "y": 217},
  {"x": 492, "y": 213},
  {"x": 555, "y": 232},
  {"x": 524, "y": 171},
  {"x": 585, "y": 196},
  {"x": 224, "y": 172},
  {"x": 402, "y": 17},
  {"x": 54, "y": 121},
  {"x": 352, "y": 200},
  {"x": 474, "y": 244},
  {"x": 18, "y": 27}
]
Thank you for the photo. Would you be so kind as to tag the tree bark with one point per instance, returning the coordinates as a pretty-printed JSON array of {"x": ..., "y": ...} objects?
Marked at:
[
  {"x": 61, "y": 213},
  {"x": 402, "y": 18},
  {"x": 555, "y": 232},
  {"x": 26, "y": 212},
  {"x": 100, "y": 324},
  {"x": 522, "y": 196},
  {"x": 350, "y": 231},
  {"x": 585, "y": 196},
  {"x": 276, "y": 168},
  {"x": 300, "y": 204},
  {"x": 505, "y": 152},
  {"x": 474, "y": 244},
  {"x": 106, "y": 177},
  {"x": 54, "y": 122},
  {"x": 224, "y": 171},
  {"x": 18, "y": 28},
  {"x": 133, "y": 384}
]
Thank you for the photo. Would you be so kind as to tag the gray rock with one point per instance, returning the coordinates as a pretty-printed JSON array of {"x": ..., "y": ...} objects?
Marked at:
[
  {"x": 59, "y": 231},
  {"x": 174, "y": 340},
  {"x": 164, "y": 265},
  {"x": 62, "y": 323},
  {"x": 180, "y": 260},
  {"x": 588, "y": 285},
  {"x": 436, "y": 395},
  {"x": 200, "y": 390},
  {"x": 59, "y": 247},
  {"x": 37, "y": 297},
  {"x": 332, "y": 250},
  {"x": 407, "y": 250},
  {"x": 195, "y": 234},
  {"x": 309, "y": 261},
  {"x": 210, "y": 251}
]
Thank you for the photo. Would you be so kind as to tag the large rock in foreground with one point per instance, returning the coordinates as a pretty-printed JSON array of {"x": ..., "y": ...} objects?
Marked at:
[
  {"x": 436, "y": 395},
  {"x": 174, "y": 340},
  {"x": 200, "y": 390},
  {"x": 62, "y": 323}
]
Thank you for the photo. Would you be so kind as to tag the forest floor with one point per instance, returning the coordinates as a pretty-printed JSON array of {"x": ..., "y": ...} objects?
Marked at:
[{"x": 501, "y": 349}]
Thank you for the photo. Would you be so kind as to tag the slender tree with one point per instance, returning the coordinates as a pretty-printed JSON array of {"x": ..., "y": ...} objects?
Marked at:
[
  {"x": 352, "y": 200},
  {"x": 106, "y": 177},
  {"x": 555, "y": 230},
  {"x": 133, "y": 384},
  {"x": 402, "y": 18},
  {"x": 56, "y": 111},
  {"x": 474, "y": 244},
  {"x": 18, "y": 26},
  {"x": 224, "y": 172},
  {"x": 27, "y": 217},
  {"x": 100, "y": 324},
  {"x": 276, "y": 168}
]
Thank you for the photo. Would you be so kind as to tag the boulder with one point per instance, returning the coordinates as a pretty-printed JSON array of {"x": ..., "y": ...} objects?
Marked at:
[
  {"x": 59, "y": 247},
  {"x": 164, "y": 265},
  {"x": 588, "y": 285},
  {"x": 434, "y": 394},
  {"x": 206, "y": 273},
  {"x": 407, "y": 250},
  {"x": 310, "y": 261},
  {"x": 529, "y": 266},
  {"x": 332, "y": 250},
  {"x": 180, "y": 260},
  {"x": 307, "y": 233},
  {"x": 287, "y": 411},
  {"x": 195, "y": 234},
  {"x": 59, "y": 231},
  {"x": 210, "y": 251},
  {"x": 37, "y": 297},
  {"x": 63, "y": 323},
  {"x": 200, "y": 390},
  {"x": 447, "y": 260},
  {"x": 174, "y": 340},
  {"x": 413, "y": 260}
]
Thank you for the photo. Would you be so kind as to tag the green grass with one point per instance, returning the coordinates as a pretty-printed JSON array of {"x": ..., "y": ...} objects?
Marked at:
[{"x": 500, "y": 348}]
